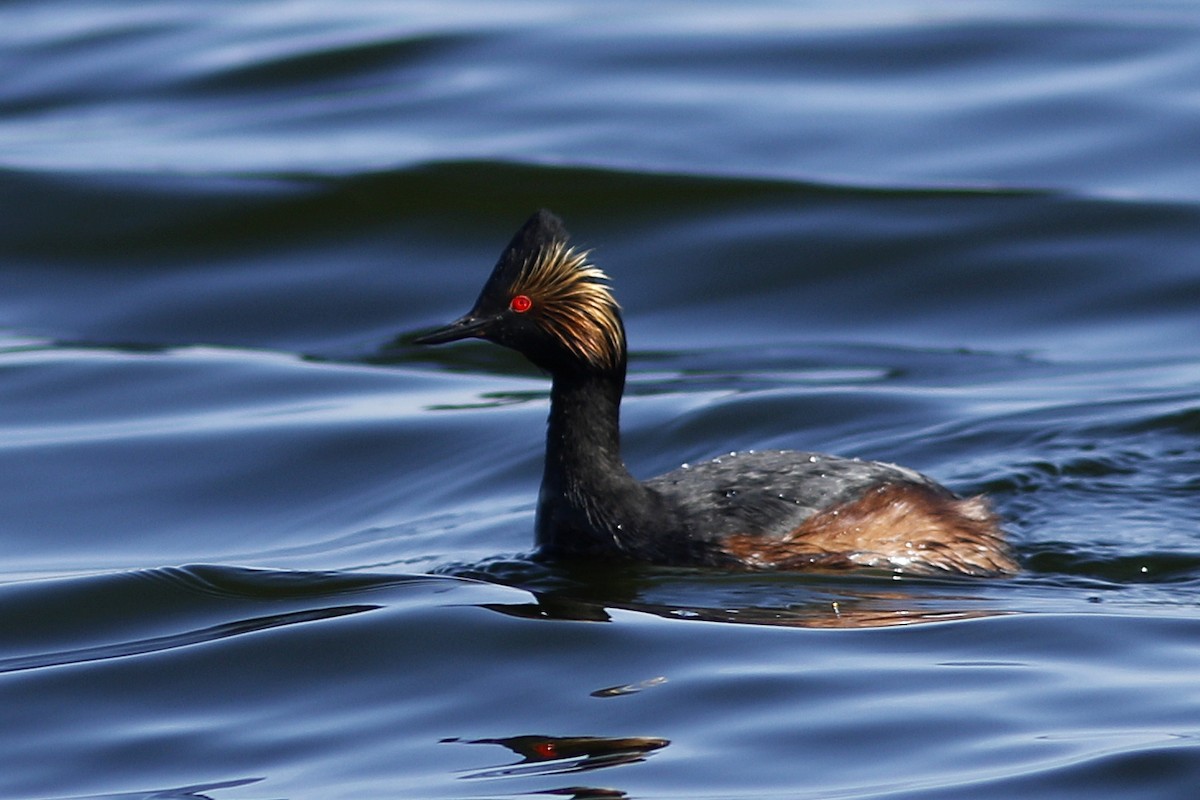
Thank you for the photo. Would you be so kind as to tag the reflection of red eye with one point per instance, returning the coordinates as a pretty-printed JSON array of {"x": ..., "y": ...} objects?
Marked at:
[
  {"x": 545, "y": 749},
  {"x": 521, "y": 303}
]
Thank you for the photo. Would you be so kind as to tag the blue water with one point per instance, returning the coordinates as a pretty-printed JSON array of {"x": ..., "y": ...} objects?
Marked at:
[{"x": 257, "y": 546}]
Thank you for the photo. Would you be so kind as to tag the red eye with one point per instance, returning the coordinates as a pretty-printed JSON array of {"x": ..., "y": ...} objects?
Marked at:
[
  {"x": 545, "y": 749},
  {"x": 521, "y": 303}
]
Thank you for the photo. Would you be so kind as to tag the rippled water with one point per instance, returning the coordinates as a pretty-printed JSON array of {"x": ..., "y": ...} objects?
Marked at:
[{"x": 256, "y": 545}]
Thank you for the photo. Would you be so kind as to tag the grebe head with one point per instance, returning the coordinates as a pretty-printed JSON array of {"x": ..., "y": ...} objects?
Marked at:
[{"x": 547, "y": 302}]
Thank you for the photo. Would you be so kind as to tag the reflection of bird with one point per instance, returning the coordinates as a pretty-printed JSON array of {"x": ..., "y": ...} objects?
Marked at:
[
  {"x": 595, "y": 751},
  {"x": 758, "y": 510},
  {"x": 552, "y": 755}
]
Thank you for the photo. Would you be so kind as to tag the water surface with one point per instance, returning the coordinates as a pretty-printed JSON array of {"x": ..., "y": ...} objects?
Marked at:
[{"x": 257, "y": 545}]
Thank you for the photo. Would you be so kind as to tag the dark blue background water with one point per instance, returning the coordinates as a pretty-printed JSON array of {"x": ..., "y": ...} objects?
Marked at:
[{"x": 254, "y": 549}]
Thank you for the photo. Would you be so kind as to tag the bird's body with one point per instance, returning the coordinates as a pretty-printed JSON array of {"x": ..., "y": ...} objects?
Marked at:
[{"x": 775, "y": 509}]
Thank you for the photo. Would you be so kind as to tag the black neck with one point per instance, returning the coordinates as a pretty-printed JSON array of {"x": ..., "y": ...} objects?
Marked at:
[{"x": 588, "y": 501}]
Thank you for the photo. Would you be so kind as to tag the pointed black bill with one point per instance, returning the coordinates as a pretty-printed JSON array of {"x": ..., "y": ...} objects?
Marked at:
[{"x": 462, "y": 328}]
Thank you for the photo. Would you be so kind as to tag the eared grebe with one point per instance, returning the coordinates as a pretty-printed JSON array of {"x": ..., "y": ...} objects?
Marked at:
[{"x": 755, "y": 510}]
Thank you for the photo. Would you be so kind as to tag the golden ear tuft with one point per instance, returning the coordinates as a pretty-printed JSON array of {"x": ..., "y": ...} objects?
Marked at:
[{"x": 573, "y": 303}]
